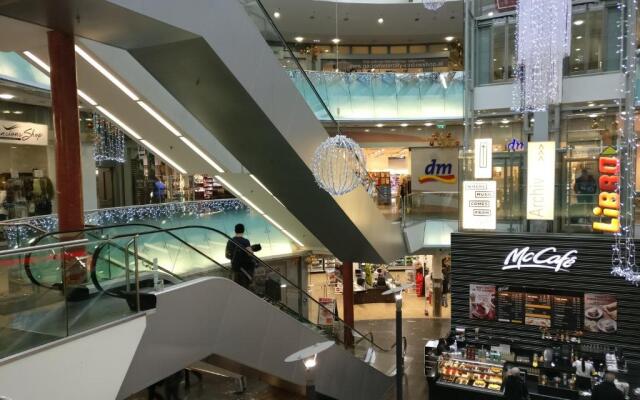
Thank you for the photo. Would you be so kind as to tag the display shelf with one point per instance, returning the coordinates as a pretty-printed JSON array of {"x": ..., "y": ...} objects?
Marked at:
[{"x": 453, "y": 370}]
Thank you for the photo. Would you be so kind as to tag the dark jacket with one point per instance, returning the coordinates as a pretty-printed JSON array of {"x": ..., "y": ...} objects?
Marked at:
[
  {"x": 515, "y": 388},
  {"x": 607, "y": 391}
]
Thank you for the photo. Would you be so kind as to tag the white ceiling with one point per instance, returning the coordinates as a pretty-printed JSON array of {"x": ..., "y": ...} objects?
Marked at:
[{"x": 357, "y": 22}]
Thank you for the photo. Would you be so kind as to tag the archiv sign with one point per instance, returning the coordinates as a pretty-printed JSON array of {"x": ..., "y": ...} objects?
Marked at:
[{"x": 544, "y": 259}]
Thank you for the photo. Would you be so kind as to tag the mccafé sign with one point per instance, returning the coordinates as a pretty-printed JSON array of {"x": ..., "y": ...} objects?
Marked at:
[{"x": 609, "y": 197}]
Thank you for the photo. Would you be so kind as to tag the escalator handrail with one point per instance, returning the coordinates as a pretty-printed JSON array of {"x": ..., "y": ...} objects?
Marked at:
[
  {"x": 27, "y": 263},
  {"x": 261, "y": 262}
]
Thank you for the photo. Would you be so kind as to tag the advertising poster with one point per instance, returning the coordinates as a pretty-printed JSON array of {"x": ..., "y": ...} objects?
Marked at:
[
  {"x": 600, "y": 313},
  {"x": 479, "y": 205},
  {"x": 541, "y": 172},
  {"x": 434, "y": 169},
  {"x": 325, "y": 316},
  {"x": 482, "y": 302},
  {"x": 482, "y": 158}
]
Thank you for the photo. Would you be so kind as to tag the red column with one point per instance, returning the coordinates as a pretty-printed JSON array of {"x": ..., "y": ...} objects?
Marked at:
[
  {"x": 64, "y": 101},
  {"x": 347, "y": 300}
]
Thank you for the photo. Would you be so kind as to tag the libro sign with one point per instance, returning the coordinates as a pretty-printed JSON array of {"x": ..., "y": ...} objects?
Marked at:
[
  {"x": 543, "y": 259},
  {"x": 541, "y": 172},
  {"x": 23, "y": 133},
  {"x": 434, "y": 169},
  {"x": 482, "y": 158},
  {"x": 609, "y": 198}
]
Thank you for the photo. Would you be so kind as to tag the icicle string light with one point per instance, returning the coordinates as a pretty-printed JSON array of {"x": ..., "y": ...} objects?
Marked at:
[
  {"x": 543, "y": 38},
  {"x": 433, "y": 5},
  {"x": 109, "y": 141}
]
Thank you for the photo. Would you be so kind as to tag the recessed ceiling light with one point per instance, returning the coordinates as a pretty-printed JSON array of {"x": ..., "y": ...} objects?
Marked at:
[
  {"x": 276, "y": 14},
  {"x": 578, "y": 37},
  {"x": 335, "y": 40},
  {"x": 404, "y": 125},
  {"x": 578, "y": 49},
  {"x": 505, "y": 121},
  {"x": 381, "y": 20},
  {"x": 393, "y": 129},
  {"x": 6, "y": 96},
  {"x": 6, "y": 112},
  {"x": 37, "y": 60},
  {"x": 593, "y": 115},
  {"x": 419, "y": 129},
  {"x": 578, "y": 22},
  {"x": 367, "y": 130},
  {"x": 95, "y": 64},
  {"x": 17, "y": 112},
  {"x": 490, "y": 14},
  {"x": 379, "y": 125},
  {"x": 449, "y": 38},
  {"x": 316, "y": 40},
  {"x": 446, "y": 49},
  {"x": 428, "y": 124},
  {"x": 479, "y": 122},
  {"x": 591, "y": 104},
  {"x": 299, "y": 39}
]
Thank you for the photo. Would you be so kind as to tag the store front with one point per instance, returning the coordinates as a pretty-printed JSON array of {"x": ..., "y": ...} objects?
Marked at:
[{"x": 538, "y": 302}]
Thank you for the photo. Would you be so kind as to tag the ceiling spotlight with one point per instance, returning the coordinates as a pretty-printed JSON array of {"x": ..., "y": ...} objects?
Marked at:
[
  {"x": 299, "y": 39},
  {"x": 6, "y": 96},
  {"x": 404, "y": 125},
  {"x": 446, "y": 49},
  {"x": 316, "y": 40},
  {"x": 479, "y": 122},
  {"x": 276, "y": 14},
  {"x": 578, "y": 37},
  {"x": 593, "y": 115},
  {"x": 17, "y": 112},
  {"x": 578, "y": 22},
  {"x": 381, "y": 20},
  {"x": 367, "y": 130},
  {"x": 504, "y": 121},
  {"x": 419, "y": 129},
  {"x": 449, "y": 38},
  {"x": 6, "y": 112},
  {"x": 490, "y": 14},
  {"x": 379, "y": 125},
  {"x": 428, "y": 124},
  {"x": 591, "y": 104},
  {"x": 335, "y": 40}
]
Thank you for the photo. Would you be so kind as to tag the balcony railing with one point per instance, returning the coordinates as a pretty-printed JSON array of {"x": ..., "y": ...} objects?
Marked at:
[{"x": 361, "y": 96}]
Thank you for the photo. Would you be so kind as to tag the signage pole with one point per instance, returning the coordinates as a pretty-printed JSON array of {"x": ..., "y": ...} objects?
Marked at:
[{"x": 399, "y": 350}]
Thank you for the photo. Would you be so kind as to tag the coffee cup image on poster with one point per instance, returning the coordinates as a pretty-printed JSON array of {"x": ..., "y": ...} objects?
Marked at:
[
  {"x": 600, "y": 313},
  {"x": 482, "y": 302}
]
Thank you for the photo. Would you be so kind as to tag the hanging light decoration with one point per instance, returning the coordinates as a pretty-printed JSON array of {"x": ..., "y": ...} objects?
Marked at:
[
  {"x": 543, "y": 39},
  {"x": 433, "y": 5},
  {"x": 338, "y": 165},
  {"x": 109, "y": 141}
]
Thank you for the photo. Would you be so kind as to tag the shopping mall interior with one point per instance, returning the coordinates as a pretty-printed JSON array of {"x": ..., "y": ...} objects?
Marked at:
[{"x": 322, "y": 199}]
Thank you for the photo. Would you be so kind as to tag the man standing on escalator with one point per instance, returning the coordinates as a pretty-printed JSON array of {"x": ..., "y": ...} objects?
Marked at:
[{"x": 242, "y": 264}]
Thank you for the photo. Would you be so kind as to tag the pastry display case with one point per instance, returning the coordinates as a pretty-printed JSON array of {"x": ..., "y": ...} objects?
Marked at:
[{"x": 475, "y": 374}]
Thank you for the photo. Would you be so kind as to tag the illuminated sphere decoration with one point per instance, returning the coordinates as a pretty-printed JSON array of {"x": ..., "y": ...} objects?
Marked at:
[
  {"x": 433, "y": 5},
  {"x": 338, "y": 165}
]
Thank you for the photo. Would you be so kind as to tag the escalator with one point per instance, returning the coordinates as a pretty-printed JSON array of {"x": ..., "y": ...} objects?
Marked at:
[{"x": 200, "y": 313}]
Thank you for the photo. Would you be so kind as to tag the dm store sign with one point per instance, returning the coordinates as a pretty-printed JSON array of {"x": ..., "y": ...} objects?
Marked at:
[{"x": 434, "y": 169}]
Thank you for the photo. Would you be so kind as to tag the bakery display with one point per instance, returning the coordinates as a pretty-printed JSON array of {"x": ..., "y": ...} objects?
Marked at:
[{"x": 475, "y": 374}]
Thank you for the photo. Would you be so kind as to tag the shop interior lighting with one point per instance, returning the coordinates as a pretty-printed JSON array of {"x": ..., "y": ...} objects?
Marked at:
[
  {"x": 106, "y": 73},
  {"x": 428, "y": 124},
  {"x": 17, "y": 112},
  {"x": 6, "y": 112},
  {"x": 202, "y": 154},
  {"x": 37, "y": 60},
  {"x": 578, "y": 22},
  {"x": 6, "y": 96},
  {"x": 381, "y": 20},
  {"x": 593, "y": 115},
  {"x": 449, "y": 38},
  {"x": 117, "y": 121},
  {"x": 379, "y": 125},
  {"x": 404, "y": 125},
  {"x": 159, "y": 118},
  {"x": 276, "y": 14},
  {"x": 162, "y": 155},
  {"x": 299, "y": 39},
  {"x": 335, "y": 40},
  {"x": 86, "y": 98}
]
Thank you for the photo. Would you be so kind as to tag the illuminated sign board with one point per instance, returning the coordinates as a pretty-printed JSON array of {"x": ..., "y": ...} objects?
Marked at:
[
  {"x": 482, "y": 159},
  {"x": 609, "y": 197},
  {"x": 541, "y": 173},
  {"x": 434, "y": 169},
  {"x": 479, "y": 205}
]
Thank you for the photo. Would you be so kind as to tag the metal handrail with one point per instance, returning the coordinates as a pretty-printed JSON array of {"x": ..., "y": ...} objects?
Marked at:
[
  {"x": 30, "y": 249},
  {"x": 258, "y": 260}
]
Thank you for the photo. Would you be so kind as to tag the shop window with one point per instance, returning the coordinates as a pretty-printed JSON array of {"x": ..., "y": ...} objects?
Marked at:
[
  {"x": 594, "y": 39},
  {"x": 418, "y": 49},
  {"x": 483, "y": 55},
  {"x": 359, "y": 49},
  {"x": 436, "y": 48},
  {"x": 379, "y": 50},
  {"x": 398, "y": 50},
  {"x": 498, "y": 49}
]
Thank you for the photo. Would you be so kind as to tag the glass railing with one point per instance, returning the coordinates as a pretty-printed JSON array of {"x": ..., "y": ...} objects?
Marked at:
[
  {"x": 62, "y": 304},
  {"x": 429, "y": 218},
  {"x": 368, "y": 96}
]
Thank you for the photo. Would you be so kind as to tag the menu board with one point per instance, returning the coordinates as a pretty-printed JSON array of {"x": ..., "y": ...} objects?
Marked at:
[
  {"x": 537, "y": 310},
  {"x": 510, "y": 305},
  {"x": 600, "y": 313},
  {"x": 482, "y": 302},
  {"x": 566, "y": 312}
]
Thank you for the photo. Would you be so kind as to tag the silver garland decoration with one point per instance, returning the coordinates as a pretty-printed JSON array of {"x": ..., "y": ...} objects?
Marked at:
[
  {"x": 338, "y": 166},
  {"x": 623, "y": 254},
  {"x": 109, "y": 140},
  {"x": 543, "y": 39},
  {"x": 433, "y": 5}
]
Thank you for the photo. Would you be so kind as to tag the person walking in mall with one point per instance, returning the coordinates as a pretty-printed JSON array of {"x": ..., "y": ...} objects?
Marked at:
[
  {"x": 242, "y": 265},
  {"x": 159, "y": 190},
  {"x": 514, "y": 387},
  {"x": 607, "y": 390}
]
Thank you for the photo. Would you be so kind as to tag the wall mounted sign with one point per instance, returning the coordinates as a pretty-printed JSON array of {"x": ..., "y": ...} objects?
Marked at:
[
  {"x": 543, "y": 259},
  {"x": 23, "y": 133},
  {"x": 515, "y": 145},
  {"x": 609, "y": 198},
  {"x": 479, "y": 205},
  {"x": 541, "y": 171},
  {"x": 434, "y": 169},
  {"x": 506, "y": 5},
  {"x": 482, "y": 158}
]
